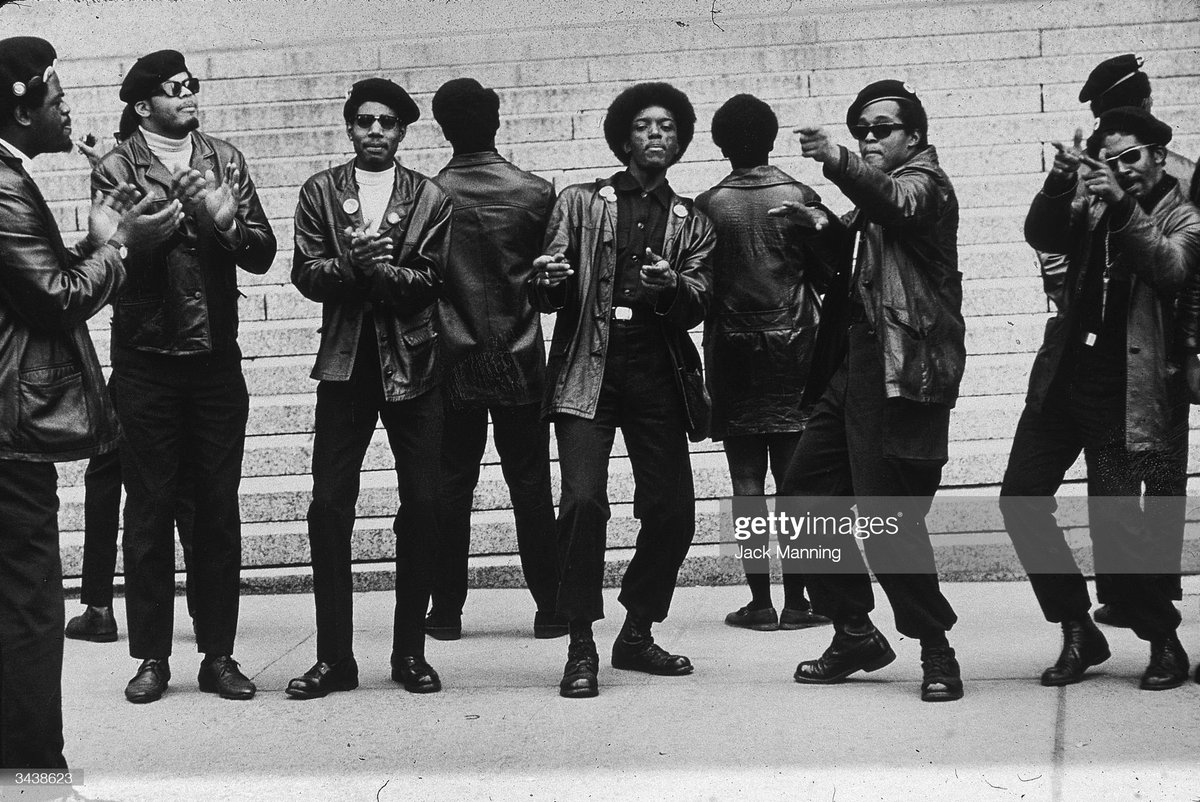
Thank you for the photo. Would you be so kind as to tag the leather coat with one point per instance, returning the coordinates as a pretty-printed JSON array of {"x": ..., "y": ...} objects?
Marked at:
[
  {"x": 583, "y": 226},
  {"x": 53, "y": 402},
  {"x": 767, "y": 279},
  {"x": 402, "y": 294},
  {"x": 492, "y": 347},
  {"x": 181, "y": 296},
  {"x": 1159, "y": 252},
  {"x": 907, "y": 226}
]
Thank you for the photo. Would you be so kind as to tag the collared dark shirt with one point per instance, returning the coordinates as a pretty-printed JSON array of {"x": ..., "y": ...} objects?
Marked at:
[{"x": 641, "y": 224}]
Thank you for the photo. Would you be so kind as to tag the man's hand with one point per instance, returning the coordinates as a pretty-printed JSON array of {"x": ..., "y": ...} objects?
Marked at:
[
  {"x": 1100, "y": 180},
  {"x": 141, "y": 228},
  {"x": 816, "y": 144},
  {"x": 87, "y": 146},
  {"x": 656, "y": 273},
  {"x": 809, "y": 216},
  {"x": 220, "y": 199},
  {"x": 107, "y": 211},
  {"x": 1066, "y": 160},
  {"x": 552, "y": 270},
  {"x": 190, "y": 189},
  {"x": 367, "y": 250}
]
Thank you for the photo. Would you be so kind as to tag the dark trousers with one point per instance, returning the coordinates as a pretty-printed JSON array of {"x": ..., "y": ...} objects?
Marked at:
[
  {"x": 523, "y": 443},
  {"x": 639, "y": 395},
  {"x": 31, "y": 618},
  {"x": 346, "y": 416},
  {"x": 860, "y": 446},
  {"x": 748, "y": 457},
  {"x": 101, "y": 522},
  {"x": 1046, "y": 444},
  {"x": 182, "y": 422}
]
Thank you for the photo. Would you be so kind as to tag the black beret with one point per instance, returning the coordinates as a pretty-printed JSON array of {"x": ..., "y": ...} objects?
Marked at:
[
  {"x": 745, "y": 124},
  {"x": 26, "y": 63},
  {"x": 621, "y": 112},
  {"x": 1108, "y": 74},
  {"x": 889, "y": 89},
  {"x": 146, "y": 75},
  {"x": 464, "y": 106},
  {"x": 1132, "y": 120},
  {"x": 381, "y": 90}
]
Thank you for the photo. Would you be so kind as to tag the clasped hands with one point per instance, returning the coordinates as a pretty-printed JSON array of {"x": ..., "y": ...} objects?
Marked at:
[{"x": 367, "y": 248}]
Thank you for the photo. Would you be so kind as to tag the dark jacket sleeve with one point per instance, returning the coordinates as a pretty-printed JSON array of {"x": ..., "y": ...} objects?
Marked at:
[
  {"x": 906, "y": 198},
  {"x": 252, "y": 242},
  {"x": 562, "y": 236},
  {"x": 1054, "y": 219},
  {"x": 1161, "y": 257},
  {"x": 320, "y": 268},
  {"x": 693, "y": 264},
  {"x": 414, "y": 280},
  {"x": 45, "y": 292}
]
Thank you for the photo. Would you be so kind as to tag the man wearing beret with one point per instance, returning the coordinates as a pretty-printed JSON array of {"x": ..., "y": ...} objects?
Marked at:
[
  {"x": 768, "y": 274},
  {"x": 493, "y": 353},
  {"x": 626, "y": 266},
  {"x": 1107, "y": 382},
  {"x": 878, "y": 436},
  {"x": 372, "y": 239},
  {"x": 53, "y": 407},
  {"x": 177, "y": 377}
]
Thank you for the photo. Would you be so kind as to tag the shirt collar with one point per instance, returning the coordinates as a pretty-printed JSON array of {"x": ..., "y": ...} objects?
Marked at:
[
  {"x": 625, "y": 183},
  {"x": 15, "y": 152}
]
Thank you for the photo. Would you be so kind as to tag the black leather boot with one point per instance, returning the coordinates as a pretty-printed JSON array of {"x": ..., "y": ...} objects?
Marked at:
[
  {"x": 1084, "y": 646},
  {"x": 1168, "y": 665},
  {"x": 635, "y": 650},
  {"x": 862, "y": 648},
  {"x": 580, "y": 679}
]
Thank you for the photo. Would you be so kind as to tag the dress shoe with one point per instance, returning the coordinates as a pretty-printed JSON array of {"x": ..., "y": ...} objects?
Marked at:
[
  {"x": 801, "y": 619},
  {"x": 549, "y": 625},
  {"x": 942, "y": 681},
  {"x": 95, "y": 624},
  {"x": 443, "y": 627},
  {"x": 220, "y": 674},
  {"x": 635, "y": 650},
  {"x": 1109, "y": 617},
  {"x": 150, "y": 681},
  {"x": 847, "y": 653},
  {"x": 764, "y": 619},
  {"x": 579, "y": 674},
  {"x": 415, "y": 674},
  {"x": 1084, "y": 646},
  {"x": 323, "y": 679},
  {"x": 1168, "y": 665}
]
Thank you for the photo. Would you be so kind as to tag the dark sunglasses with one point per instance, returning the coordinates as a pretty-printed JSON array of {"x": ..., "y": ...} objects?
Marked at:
[
  {"x": 386, "y": 121},
  {"x": 175, "y": 88},
  {"x": 878, "y": 130},
  {"x": 1128, "y": 156}
]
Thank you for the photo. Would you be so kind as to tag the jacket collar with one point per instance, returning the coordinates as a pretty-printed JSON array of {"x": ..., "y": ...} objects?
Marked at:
[
  {"x": 10, "y": 155},
  {"x": 203, "y": 156},
  {"x": 478, "y": 159},
  {"x": 924, "y": 159},
  {"x": 765, "y": 175},
  {"x": 403, "y": 190}
]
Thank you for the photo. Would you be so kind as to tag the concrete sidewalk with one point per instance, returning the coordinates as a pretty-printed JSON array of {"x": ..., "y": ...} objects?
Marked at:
[{"x": 738, "y": 728}]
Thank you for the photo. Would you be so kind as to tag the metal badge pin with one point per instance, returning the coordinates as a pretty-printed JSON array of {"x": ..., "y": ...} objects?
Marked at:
[
  {"x": 18, "y": 89},
  {"x": 680, "y": 210},
  {"x": 393, "y": 218},
  {"x": 608, "y": 193},
  {"x": 350, "y": 205}
]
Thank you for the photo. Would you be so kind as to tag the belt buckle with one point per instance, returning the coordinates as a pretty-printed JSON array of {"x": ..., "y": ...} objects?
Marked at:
[{"x": 622, "y": 313}]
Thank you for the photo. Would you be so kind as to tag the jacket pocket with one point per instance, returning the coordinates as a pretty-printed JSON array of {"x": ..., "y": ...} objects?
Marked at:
[
  {"x": 140, "y": 323},
  {"x": 420, "y": 336},
  {"x": 54, "y": 415},
  {"x": 915, "y": 329}
]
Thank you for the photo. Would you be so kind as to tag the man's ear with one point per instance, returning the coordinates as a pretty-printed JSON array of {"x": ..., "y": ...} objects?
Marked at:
[
  {"x": 142, "y": 107},
  {"x": 403, "y": 133},
  {"x": 23, "y": 115},
  {"x": 1160, "y": 155}
]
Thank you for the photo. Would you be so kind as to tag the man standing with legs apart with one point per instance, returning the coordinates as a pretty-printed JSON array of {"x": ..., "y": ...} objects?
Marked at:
[
  {"x": 759, "y": 336},
  {"x": 372, "y": 239},
  {"x": 627, "y": 269},
  {"x": 879, "y": 434},
  {"x": 493, "y": 354},
  {"x": 53, "y": 406},
  {"x": 1107, "y": 382},
  {"x": 177, "y": 374}
]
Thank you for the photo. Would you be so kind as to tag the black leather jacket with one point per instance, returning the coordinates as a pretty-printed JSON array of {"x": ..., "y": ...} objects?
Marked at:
[
  {"x": 492, "y": 345},
  {"x": 53, "y": 404},
  {"x": 181, "y": 297},
  {"x": 768, "y": 274},
  {"x": 1160, "y": 252},
  {"x": 583, "y": 226},
  {"x": 908, "y": 274},
  {"x": 402, "y": 294}
]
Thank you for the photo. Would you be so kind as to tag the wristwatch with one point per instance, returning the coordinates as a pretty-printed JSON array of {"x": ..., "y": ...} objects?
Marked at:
[{"x": 122, "y": 251}]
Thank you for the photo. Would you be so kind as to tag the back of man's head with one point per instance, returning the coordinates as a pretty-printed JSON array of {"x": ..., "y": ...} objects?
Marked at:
[
  {"x": 744, "y": 128},
  {"x": 26, "y": 63},
  {"x": 468, "y": 113}
]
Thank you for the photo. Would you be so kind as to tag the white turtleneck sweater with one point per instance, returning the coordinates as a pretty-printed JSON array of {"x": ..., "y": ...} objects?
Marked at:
[
  {"x": 374, "y": 192},
  {"x": 175, "y": 154}
]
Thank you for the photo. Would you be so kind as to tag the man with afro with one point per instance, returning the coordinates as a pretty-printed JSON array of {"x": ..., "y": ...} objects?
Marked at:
[{"x": 626, "y": 267}]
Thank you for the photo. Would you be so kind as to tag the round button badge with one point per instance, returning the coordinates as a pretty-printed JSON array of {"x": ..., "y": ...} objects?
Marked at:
[{"x": 350, "y": 205}]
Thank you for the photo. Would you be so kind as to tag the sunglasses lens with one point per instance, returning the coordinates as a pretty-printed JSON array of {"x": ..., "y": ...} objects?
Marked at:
[
  {"x": 859, "y": 131},
  {"x": 386, "y": 121},
  {"x": 193, "y": 85}
]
